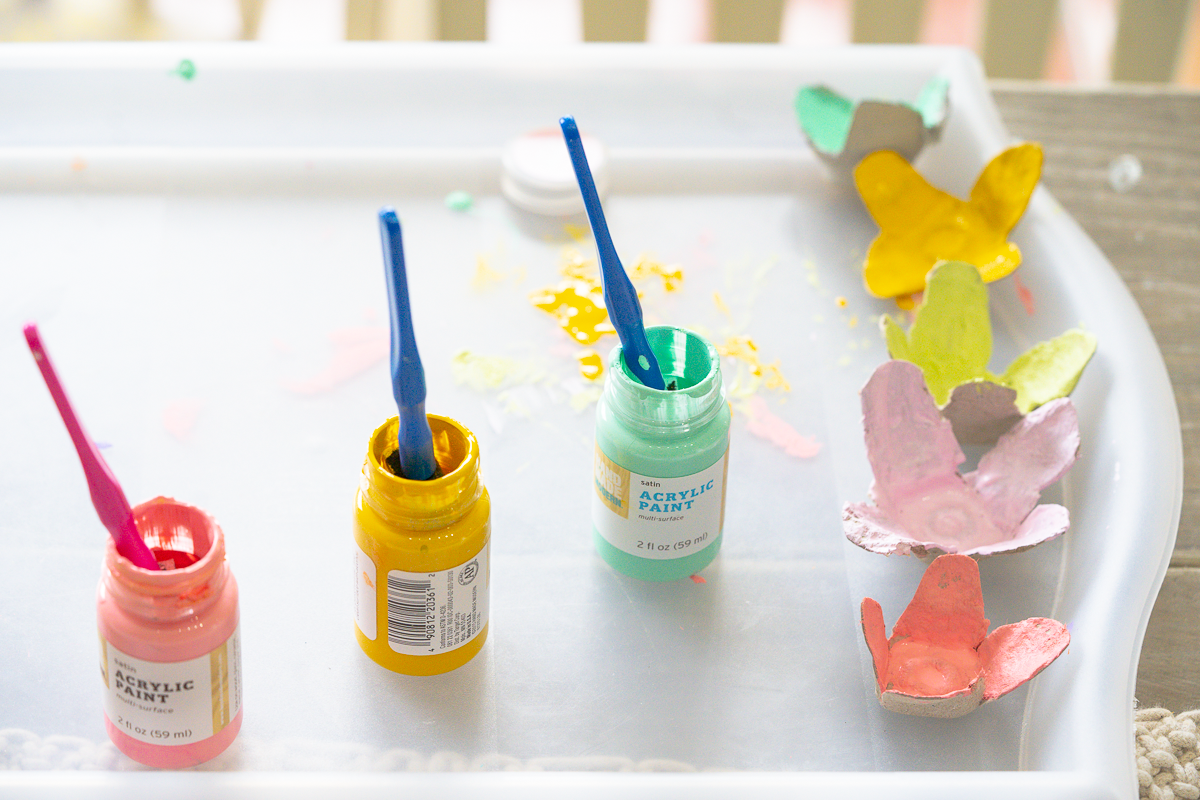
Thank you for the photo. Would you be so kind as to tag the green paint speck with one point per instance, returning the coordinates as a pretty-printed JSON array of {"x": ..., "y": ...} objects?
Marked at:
[
  {"x": 459, "y": 201},
  {"x": 185, "y": 70}
]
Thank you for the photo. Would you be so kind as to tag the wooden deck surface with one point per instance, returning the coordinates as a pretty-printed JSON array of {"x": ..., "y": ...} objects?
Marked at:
[{"x": 1151, "y": 234}]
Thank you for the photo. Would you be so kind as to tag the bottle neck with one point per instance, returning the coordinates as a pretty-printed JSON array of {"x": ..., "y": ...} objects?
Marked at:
[
  {"x": 175, "y": 533},
  {"x": 690, "y": 363},
  {"x": 423, "y": 505}
]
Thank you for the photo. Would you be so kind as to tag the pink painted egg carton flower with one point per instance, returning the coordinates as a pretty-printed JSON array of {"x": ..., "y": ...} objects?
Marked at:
[
  {"x": 940, "y": 660},
  {"x": 923, "y": 505}
]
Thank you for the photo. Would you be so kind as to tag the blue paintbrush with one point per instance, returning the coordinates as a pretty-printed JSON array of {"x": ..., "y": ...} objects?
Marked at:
[
  {"x": 408, "y": 376},
  {"x": 620, "y": 298}
]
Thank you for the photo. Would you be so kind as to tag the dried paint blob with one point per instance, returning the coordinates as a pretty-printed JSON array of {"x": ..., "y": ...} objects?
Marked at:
[
  {"x": 951, "y": 341},
  {"x": 744, "y": 351},
  {"x": 579, "y": 310},
  {"x": 940, "y": 660},
  {"x": 921, "y": 225},
  {"x": 486, "y": 276},
  {"x": 459, "y": 201},
  {"x": 721, "y": 305},
  {"x": 483, "y": 373},
  {"x": 185, "y": 69},
  {"x": 646, "y": 267},
  {"x": 591, "y": 365},
  {"x": 578, "y": 303},
  {"x": 923, "y": 505}
]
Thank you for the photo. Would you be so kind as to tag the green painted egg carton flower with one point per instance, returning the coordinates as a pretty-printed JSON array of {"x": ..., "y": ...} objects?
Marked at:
[
  {"x": 842, "y": 131},
  {"x": 951, "y": 341}
]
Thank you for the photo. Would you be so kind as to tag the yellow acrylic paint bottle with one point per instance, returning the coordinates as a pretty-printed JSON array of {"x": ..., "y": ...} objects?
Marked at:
[{"x": 421, "y": 571}]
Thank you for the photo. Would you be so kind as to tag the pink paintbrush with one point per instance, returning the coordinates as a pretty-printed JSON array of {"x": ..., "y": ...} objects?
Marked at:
[{"x": 107, "y": 497}]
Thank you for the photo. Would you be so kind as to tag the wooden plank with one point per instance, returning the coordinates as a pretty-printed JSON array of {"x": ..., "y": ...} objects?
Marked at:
[
  {"x": 1169, "y": 672},
  {"x": 1016, "y": 37},
  {"x": 746, "y": 20},
  {"x": 1151, "y": 234},
  {"x": 615, "y": 20},
  {"x": 886, "y": 21},
  {"x": 251, "y": 11},
  {"x": 462, "y": 20},
  {"x": 363, "y": 19},
  {"x": 1148, "y": 38}
]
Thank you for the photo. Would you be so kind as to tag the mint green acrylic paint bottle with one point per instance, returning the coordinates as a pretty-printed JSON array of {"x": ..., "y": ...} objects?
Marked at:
[{"x": 661, "y": 460}]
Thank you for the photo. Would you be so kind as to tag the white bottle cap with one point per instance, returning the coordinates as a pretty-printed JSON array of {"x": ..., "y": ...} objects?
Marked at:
[{"x": 537, "y": 174}]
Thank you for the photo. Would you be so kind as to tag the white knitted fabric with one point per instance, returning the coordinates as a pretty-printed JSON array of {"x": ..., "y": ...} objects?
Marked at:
[{"x": 1168, "y": 758}]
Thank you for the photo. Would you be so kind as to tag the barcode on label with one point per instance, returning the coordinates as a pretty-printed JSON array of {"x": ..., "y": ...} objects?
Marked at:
[{"x": 410, "y": 611}]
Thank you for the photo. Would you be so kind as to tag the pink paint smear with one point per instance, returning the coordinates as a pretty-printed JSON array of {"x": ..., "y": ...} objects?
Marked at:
[
  {"x": 179, "y": 418},
  {"x": 1023, "y": 293},
  {"x": 698, "y": 579},
  {"x": 766, "y": 425},
  {"x": 355, "y": 351}
]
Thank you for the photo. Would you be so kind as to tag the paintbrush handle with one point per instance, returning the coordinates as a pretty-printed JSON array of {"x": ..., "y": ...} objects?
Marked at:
[
  {"x": 620, "y": 298},
  {"x": 107, "y": 496},
  {"x": 415, "y": 440}
]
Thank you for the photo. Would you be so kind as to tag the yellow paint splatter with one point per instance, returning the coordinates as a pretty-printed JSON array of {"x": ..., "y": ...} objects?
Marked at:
[
  {"x": 482, "y": 373},
  {"x": 584, "y": 397},
  {"x": 742, "y": 348},
  {"x": 841, "y": 301},
  {"x": 484, "y": 275},
  {"x": 582, "y": 316},
  {"x": 576, "y": 267},
  {"x": 745, "y": 351},
  {"x": 577, "y": 232},
  {"x": 853, "y": 321},
  {"x": 646, "y": 267},
  {"x": 775, "y": 379},
  {"x": 719, "y": 302},
  {"x": 591, "y": 366},
  {"x": 742, "y": 387}
]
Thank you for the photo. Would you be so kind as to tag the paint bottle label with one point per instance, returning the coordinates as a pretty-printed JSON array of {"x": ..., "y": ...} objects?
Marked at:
[
  {"x": 654, "y": 517},
  {"x": 364, "y": 593},
  {"x": 172, "y": 703},
  {"x": 435, "y": 612}
]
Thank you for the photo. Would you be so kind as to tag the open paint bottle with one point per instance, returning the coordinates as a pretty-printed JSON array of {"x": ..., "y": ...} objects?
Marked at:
[
  {"x": 422, "y": 518},
  {"x": 167, "y": 611},
  {"x": 660, "y": 461},
  {"x": 170, "y": 652},
  {"x": 421, "y": 560}
]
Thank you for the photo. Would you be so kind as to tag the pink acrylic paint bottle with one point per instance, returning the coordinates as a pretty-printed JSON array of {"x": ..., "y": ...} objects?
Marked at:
[{"x": 170, "y": 654}]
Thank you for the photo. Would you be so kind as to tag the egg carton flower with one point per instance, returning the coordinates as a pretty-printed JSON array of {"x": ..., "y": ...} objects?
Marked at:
[
  {"x": 940, "y": 660},
  {"x": 923, "y": 506},
  {"x": 920, "y": 225},
  {"x": 951, "y": 341},
  {"x": 841, "y": 131}
]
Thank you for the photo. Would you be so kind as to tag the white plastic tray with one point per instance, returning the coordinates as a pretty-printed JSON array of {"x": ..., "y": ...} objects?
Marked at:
[{"x": 192, "y": 246}]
